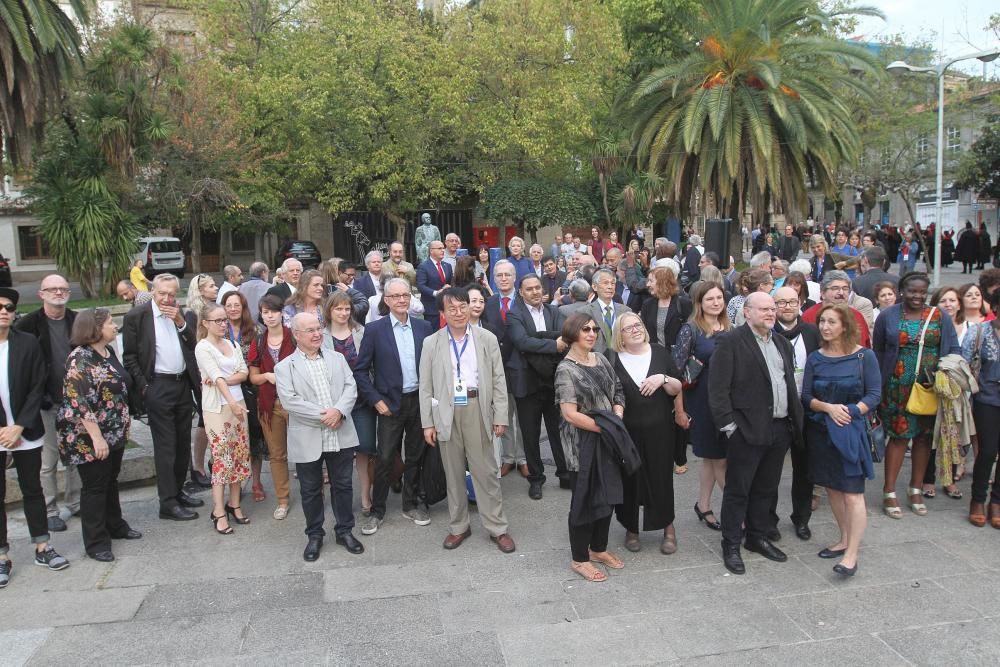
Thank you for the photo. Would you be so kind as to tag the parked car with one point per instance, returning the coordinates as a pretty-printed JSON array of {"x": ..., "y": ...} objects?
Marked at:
[
  {"x": 160, "y": 254},
  {"x": 4, "y": 272},
  {"x": 304, "y": 251}
]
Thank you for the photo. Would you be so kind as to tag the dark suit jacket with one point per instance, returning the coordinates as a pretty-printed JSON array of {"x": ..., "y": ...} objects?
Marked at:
[
  {"x": 282, "y": 291},
  {"x": 828, "y": 265},
  {"x": 428, "y": 282},
  {"x": 26, "y": 377},
  {"x": 739, "y": 386},
  {"x": 494, "y": 323},
  {"x": 528, "y": 345},
  {"x": 551, "y": 286},
  {"x": 37, "y": 324},
  {"x": 139, "y": 341},
  {"x": 378, "y": 357},
  {"x": 690, "y": 265},
  {"x": 365, "y": 284},
  {"x": 677, "y": 314},
  {"x": 789, "y": 247}
]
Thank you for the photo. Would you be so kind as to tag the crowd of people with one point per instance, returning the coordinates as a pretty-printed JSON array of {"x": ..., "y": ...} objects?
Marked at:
[{"x": 434, "y": 380}]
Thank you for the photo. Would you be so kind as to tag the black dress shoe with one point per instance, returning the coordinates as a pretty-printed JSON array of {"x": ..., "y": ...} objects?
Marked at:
[
  {"x": 351, "y": 543},
  {"x": 312, "y": 549},
  {"x": 831, "y": 553},
  {"x": 177, "y": 513},
  {"x": 774, "y": 535},
  {"x": 845, "y": 571},
  {"x": 103, "y": 556},
  {"x": 802, "y": 531},
  {"x": 766, "y": 549},
  {"x": 535, "y": 490},
  {"x": 128, "y": 535},
  {"x": 189, "y": 501},
  {"x": 564, "y": 483},
  {"x": 201, "y": 479},
  {"x": 56, "y": 525},
  {"x": 732, "y": 559}
]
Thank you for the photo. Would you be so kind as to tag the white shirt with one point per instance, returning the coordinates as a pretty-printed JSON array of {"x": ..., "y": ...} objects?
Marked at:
[
  {"x": 537, "y": 316},
  {"x": 169, "y": 356},
  {"x": 470, "y": 365},
  {"x": 25, "y": 444},
  {"x": 225, "y": 289},
  {"x": 604, "y": 310},
  {"x": 636, "y": 365}
]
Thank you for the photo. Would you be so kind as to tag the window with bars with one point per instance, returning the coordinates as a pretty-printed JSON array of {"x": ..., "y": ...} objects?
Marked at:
[
  {"x": 954, "y": 139},
  {"x": 923, "y": 145},
  {"x": 31, "y": 244}
]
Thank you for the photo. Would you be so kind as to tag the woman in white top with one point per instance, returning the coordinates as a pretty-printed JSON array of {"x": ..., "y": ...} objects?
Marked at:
[{"x": 223, "y": 370}]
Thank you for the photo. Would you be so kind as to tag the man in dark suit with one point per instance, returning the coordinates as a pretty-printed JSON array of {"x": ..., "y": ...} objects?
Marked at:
[
  {"x": 805, "y": 339},
  {"x": 386, "y": 374},
  {"x": 552, "y": 280},
  {"x": 755, "y": 404},
  {"x": 433, "y": 275},
  {"x": 870, "y": 265},
  {"x": 789, "y": 245},
  {"x": 368, "y": 283},
  {"x": 293, "y": 271},
  {"x": 534, "y": 330},
  {"x": 159, "y": 355}
]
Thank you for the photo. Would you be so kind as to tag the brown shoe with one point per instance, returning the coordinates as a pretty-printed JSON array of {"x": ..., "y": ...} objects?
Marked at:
[
  {"x": 977, "y": 514},
  {"x": 995, "y": 515},
  {"x": 523, "y": 469},
  {"x": 506, "y": 469},
  {"x": 454, "y": 541},
  {"x": 504, "y": 543}
]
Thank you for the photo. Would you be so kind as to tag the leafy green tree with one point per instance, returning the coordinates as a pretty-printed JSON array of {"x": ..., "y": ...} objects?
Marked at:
[
  {"x": 979, "y": 170},
  {"x": 536, "y": 203}
]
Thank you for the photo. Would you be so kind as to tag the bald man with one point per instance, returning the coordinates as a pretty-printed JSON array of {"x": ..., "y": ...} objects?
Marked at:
[{"x": 755, "y": 405}]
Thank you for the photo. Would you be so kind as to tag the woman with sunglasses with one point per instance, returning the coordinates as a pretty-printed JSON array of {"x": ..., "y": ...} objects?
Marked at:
[
  {"x": 586, "y": 382},
  {"x": 93, "y": 426},
  {"x": 223, "y": 370},
  {"x": 201, "y": 291}
]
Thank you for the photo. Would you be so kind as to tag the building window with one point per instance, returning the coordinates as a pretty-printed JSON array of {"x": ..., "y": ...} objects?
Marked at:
[
  {"x": 923, "y": 145},
  {"x": 954, "y": 139},
  {"x": 243, "y": 242},
  {"x": 31, "y": 243}
]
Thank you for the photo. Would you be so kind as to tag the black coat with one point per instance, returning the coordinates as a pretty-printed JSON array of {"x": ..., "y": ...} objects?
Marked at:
[
  {"x": 37, "y": 324},
  {"x": 26, "y": 379},
  {"x": 495, "y": 324},
  {"x": 139, "y": 354},
  {"x": 677, "y": 314},
  {"x": 740, "y": 389},
  {"x": 604, "y": 457}
]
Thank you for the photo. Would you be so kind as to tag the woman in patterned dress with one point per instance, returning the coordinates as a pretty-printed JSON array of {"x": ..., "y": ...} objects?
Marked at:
[
  {"x": 242, "y": 331},
  {"x": 223, "y": 370},
  {"x": 896, "y": 344}
]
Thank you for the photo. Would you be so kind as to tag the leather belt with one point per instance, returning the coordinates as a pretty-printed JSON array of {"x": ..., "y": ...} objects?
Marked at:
[
  {"x": 171, "y": 376},
  {"x": 472, "y": 393},
  {"x": 410, "y": 394}
]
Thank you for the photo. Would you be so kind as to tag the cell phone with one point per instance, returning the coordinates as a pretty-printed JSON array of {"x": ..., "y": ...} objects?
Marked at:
[{"x": 564, "y": 291}]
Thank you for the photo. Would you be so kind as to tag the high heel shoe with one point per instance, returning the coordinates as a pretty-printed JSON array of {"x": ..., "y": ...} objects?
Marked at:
[
  {"x": 714, "y": 525},
  {"x": 231, "y": 511},
  {"x": 228, "y": 530}
]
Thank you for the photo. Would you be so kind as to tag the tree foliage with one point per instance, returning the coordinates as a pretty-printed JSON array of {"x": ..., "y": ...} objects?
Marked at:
[
  {"x": 979, "y": 170},
  {"x": 535, "y": 203}
]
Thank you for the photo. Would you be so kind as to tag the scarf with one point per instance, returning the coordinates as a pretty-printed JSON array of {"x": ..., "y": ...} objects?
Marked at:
[
  {"x": 260, "y": 356},
  {"x": 954, "y": 385},
  {"x": 789, "y": 334}
]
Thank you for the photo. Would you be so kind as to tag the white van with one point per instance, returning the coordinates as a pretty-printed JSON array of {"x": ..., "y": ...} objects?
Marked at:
[{"x": 160, "y": 254}]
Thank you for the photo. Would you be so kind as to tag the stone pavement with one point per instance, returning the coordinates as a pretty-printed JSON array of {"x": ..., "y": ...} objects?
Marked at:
[{"x": 925, "y": 593}]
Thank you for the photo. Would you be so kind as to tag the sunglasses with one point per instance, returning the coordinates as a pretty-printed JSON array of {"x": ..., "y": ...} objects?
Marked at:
[
  {"x": 9, "y": 307},
  {"x": 589, "y": 329}
]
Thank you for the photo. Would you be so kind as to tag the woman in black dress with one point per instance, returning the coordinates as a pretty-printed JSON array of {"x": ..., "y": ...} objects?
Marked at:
[{"x": 650, "y": 383}]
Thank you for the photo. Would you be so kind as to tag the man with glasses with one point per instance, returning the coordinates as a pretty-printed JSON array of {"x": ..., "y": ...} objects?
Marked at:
[
  {"x": 387, "y": 379},
  {"x": 836, "y": 288},
  {"x": 804, "y": 338},
  {"x": 51, "y": 325},
  {"x": 755, "y": 405},
  {"x": 463, "y": 404}
]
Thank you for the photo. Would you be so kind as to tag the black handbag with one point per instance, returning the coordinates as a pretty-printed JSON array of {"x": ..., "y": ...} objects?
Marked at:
[
  {"x": 433, "y": 484},
  {"x": 873, "y": 427}
]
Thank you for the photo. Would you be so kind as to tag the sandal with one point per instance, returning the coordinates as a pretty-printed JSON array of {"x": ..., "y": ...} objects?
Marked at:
[
  {"x": 929, "y": 491},
  {"x": 919, "y": 509},
  {"x": 680, "y": 470},
  {"x": 893, "y": 512},
  {"x": 977, "y": 518},
  {"x": 228, "y": 530},
  {"x": 607, "y": 558},
  {"x": 953, "y": 492},
  {"x": 632, "y": 542},
  {"x": 588, "y": 572},
  {"x": 713, "y": 524}
]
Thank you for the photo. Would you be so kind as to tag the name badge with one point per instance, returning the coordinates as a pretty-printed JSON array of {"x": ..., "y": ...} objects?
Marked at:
[{"x": 461, "y": 394}]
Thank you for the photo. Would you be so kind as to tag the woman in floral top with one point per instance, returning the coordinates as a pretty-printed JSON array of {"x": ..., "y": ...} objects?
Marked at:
[{"x": 93, "y": 427}]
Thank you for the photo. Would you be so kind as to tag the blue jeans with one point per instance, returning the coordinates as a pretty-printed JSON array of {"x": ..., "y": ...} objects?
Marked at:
[{"x": 340, "y": 466}]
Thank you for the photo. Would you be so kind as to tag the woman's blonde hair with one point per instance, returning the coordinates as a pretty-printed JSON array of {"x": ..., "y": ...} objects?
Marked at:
[{"x": 618, "y": 331}]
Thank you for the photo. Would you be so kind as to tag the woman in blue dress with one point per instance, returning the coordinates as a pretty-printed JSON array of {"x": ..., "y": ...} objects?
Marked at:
[
  {"x": 696, "y": 339},
  {"x": 841, "y": 385}
]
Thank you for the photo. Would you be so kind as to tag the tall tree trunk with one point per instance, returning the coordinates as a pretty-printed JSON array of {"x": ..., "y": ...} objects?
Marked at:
[
  {"x": 195, "y": 217},
  {"x": 400, "y": 223},
  {"x": 502, "y": 234}
]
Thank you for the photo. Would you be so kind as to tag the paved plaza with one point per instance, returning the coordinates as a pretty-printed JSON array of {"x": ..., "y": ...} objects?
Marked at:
[{"x": 926, "y": 593}]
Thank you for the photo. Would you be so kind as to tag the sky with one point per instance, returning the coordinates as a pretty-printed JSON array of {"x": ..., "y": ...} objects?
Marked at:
[{"x": 957, "y": 26}]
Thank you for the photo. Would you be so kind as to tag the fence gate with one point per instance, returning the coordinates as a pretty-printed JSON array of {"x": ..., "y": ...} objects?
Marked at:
[{"x": 358, "y": 232}]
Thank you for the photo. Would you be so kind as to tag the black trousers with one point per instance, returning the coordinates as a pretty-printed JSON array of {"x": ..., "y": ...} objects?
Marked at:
[
  {"x": 682, "y": 437},
  {"x": 987, "y": 418},
  {"x": 802, "y": 489},
  {"x": 403, "y": 427},
  {"x": 28, "y": 464},
  {"x": 169, "y": 405},
  {"x": 340, "y": 466},
  {"x": 100, "y": 509},
  {"x": 530, "y": 411},
  {"x": 589, "y": 536},
  {"x": 753, "y": 473}
]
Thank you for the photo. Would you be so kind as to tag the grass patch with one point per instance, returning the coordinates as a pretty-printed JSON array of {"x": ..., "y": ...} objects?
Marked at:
[{"x": 83, "y": 304}]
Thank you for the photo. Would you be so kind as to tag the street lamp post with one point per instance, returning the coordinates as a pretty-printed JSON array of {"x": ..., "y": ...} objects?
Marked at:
[{"x": 899, "y": 67}]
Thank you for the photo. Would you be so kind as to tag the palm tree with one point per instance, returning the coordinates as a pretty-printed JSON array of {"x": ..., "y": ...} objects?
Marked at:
[
  {"x": 39, "y": 48},
  {"x": 750, "y": 115}
]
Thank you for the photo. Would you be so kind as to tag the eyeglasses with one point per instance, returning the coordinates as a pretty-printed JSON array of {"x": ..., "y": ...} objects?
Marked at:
[
  {"x": 311, "y": 331},
  {"x": 56, "y": 290},
  {"x": 222, "y": 321},
  {"x": 766, "y": 309},
  {"x": 9, "y": 307},
  {"x": 634, "y": 328},
  {"x": 589, "y": 329},
  {"x": 456, "y": 310},
  {"x": 783, "y": 303},
  {"x": 404, "y": 295},
  {"x": 839, "y": 288}
]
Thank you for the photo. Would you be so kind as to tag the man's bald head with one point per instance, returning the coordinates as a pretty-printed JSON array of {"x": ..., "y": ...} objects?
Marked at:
[
  {"x": 307, "y": 332},
  {"x": 54, "y": 293},
  {"x": 786, "y": 299},
  {"x": 760, "y": 312}
]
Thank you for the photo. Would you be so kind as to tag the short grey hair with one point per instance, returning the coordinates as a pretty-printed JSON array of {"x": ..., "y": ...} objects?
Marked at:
[
  {"x": 780, "y": 263},
  {"x": 503, "y": 262},
  {"x": 166, "y": 278},
  {"x": 232, "y": 270},
  {"x": 371, "y": 255},
  {"x": 660, "y": 240},
  {"x": 579, "y": 289},
  {"x": 832, "y": 277},
  {"x": 395, "y": 279},
  {"x": 760, "y": 259},
  {"x": 800, "y": 266},
  {"x": 288, "y": 263},
  {"x": 258, "y": 269},
  {"x": 599, "y": 273},
  {"x": 694, "y": 239}
]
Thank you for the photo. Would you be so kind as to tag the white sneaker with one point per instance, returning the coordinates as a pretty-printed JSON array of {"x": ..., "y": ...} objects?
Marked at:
[{"x": 418, "y": 515}]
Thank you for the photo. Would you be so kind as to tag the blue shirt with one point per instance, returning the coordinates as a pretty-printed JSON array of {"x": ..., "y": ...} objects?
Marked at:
[{"x": 403, "y": 334}]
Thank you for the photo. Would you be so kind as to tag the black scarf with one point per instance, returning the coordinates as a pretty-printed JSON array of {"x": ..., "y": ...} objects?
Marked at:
[{"x": 789, "y": 334}]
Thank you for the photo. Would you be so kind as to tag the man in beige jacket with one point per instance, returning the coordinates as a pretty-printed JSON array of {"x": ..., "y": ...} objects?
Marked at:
[{"x": 463, "y": 404}]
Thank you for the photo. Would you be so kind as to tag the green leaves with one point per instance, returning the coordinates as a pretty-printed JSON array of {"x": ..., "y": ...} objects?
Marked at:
[{"x": 536, "y": 203}]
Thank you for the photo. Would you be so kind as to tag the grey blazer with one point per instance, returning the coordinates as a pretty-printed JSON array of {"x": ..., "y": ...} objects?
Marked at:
[
  {"x": 604, "y": 340},
  {"x": 298, "y": 396},
  {"x": 437, "y": 400}
]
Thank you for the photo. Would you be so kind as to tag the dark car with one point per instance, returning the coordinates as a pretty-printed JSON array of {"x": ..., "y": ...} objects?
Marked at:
[
  {"x": 4, "y": 272},
  {"x": 304, "y": 251}
]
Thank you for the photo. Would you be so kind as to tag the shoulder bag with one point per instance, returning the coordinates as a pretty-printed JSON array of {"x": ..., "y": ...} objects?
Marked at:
[
  {"x": 692, "y": 367},
  {"x": 923, "y": 401}
]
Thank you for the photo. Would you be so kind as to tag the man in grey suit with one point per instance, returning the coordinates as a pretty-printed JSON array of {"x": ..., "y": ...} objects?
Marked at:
[
  {"x": 463, "y": 403},
  {"x": 603, "y": 308},
  {"x": 317, "y": 388}
]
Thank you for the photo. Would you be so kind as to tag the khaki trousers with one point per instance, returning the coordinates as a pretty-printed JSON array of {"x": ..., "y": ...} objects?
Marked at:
[{"x": 276, "y": 437}]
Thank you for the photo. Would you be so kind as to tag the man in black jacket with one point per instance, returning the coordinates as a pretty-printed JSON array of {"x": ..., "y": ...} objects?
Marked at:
[
  {"x": 533, "y": 329},
  {"x": 159, "y": 355},
  {"x": 805, "y": 339},
  {"x": 755, "y": 404},
  {"x": 51, "y": 326},
  {"x": 22, "y": 388}
]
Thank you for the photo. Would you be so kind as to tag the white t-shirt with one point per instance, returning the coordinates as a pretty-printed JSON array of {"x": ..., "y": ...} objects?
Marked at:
[
  {"x": 25, "y": 444},
  {"x": 636, "y": 365}
]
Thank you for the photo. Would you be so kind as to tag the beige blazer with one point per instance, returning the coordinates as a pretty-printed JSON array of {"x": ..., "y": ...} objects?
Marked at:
[{"x": 437, "y": 400}]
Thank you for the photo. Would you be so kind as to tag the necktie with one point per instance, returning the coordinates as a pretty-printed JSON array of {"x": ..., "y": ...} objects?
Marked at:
[
  {"x": 609, "y": 317},
  {"x": 441, "y": 273},
  {"x": 504, "y": 307}
]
